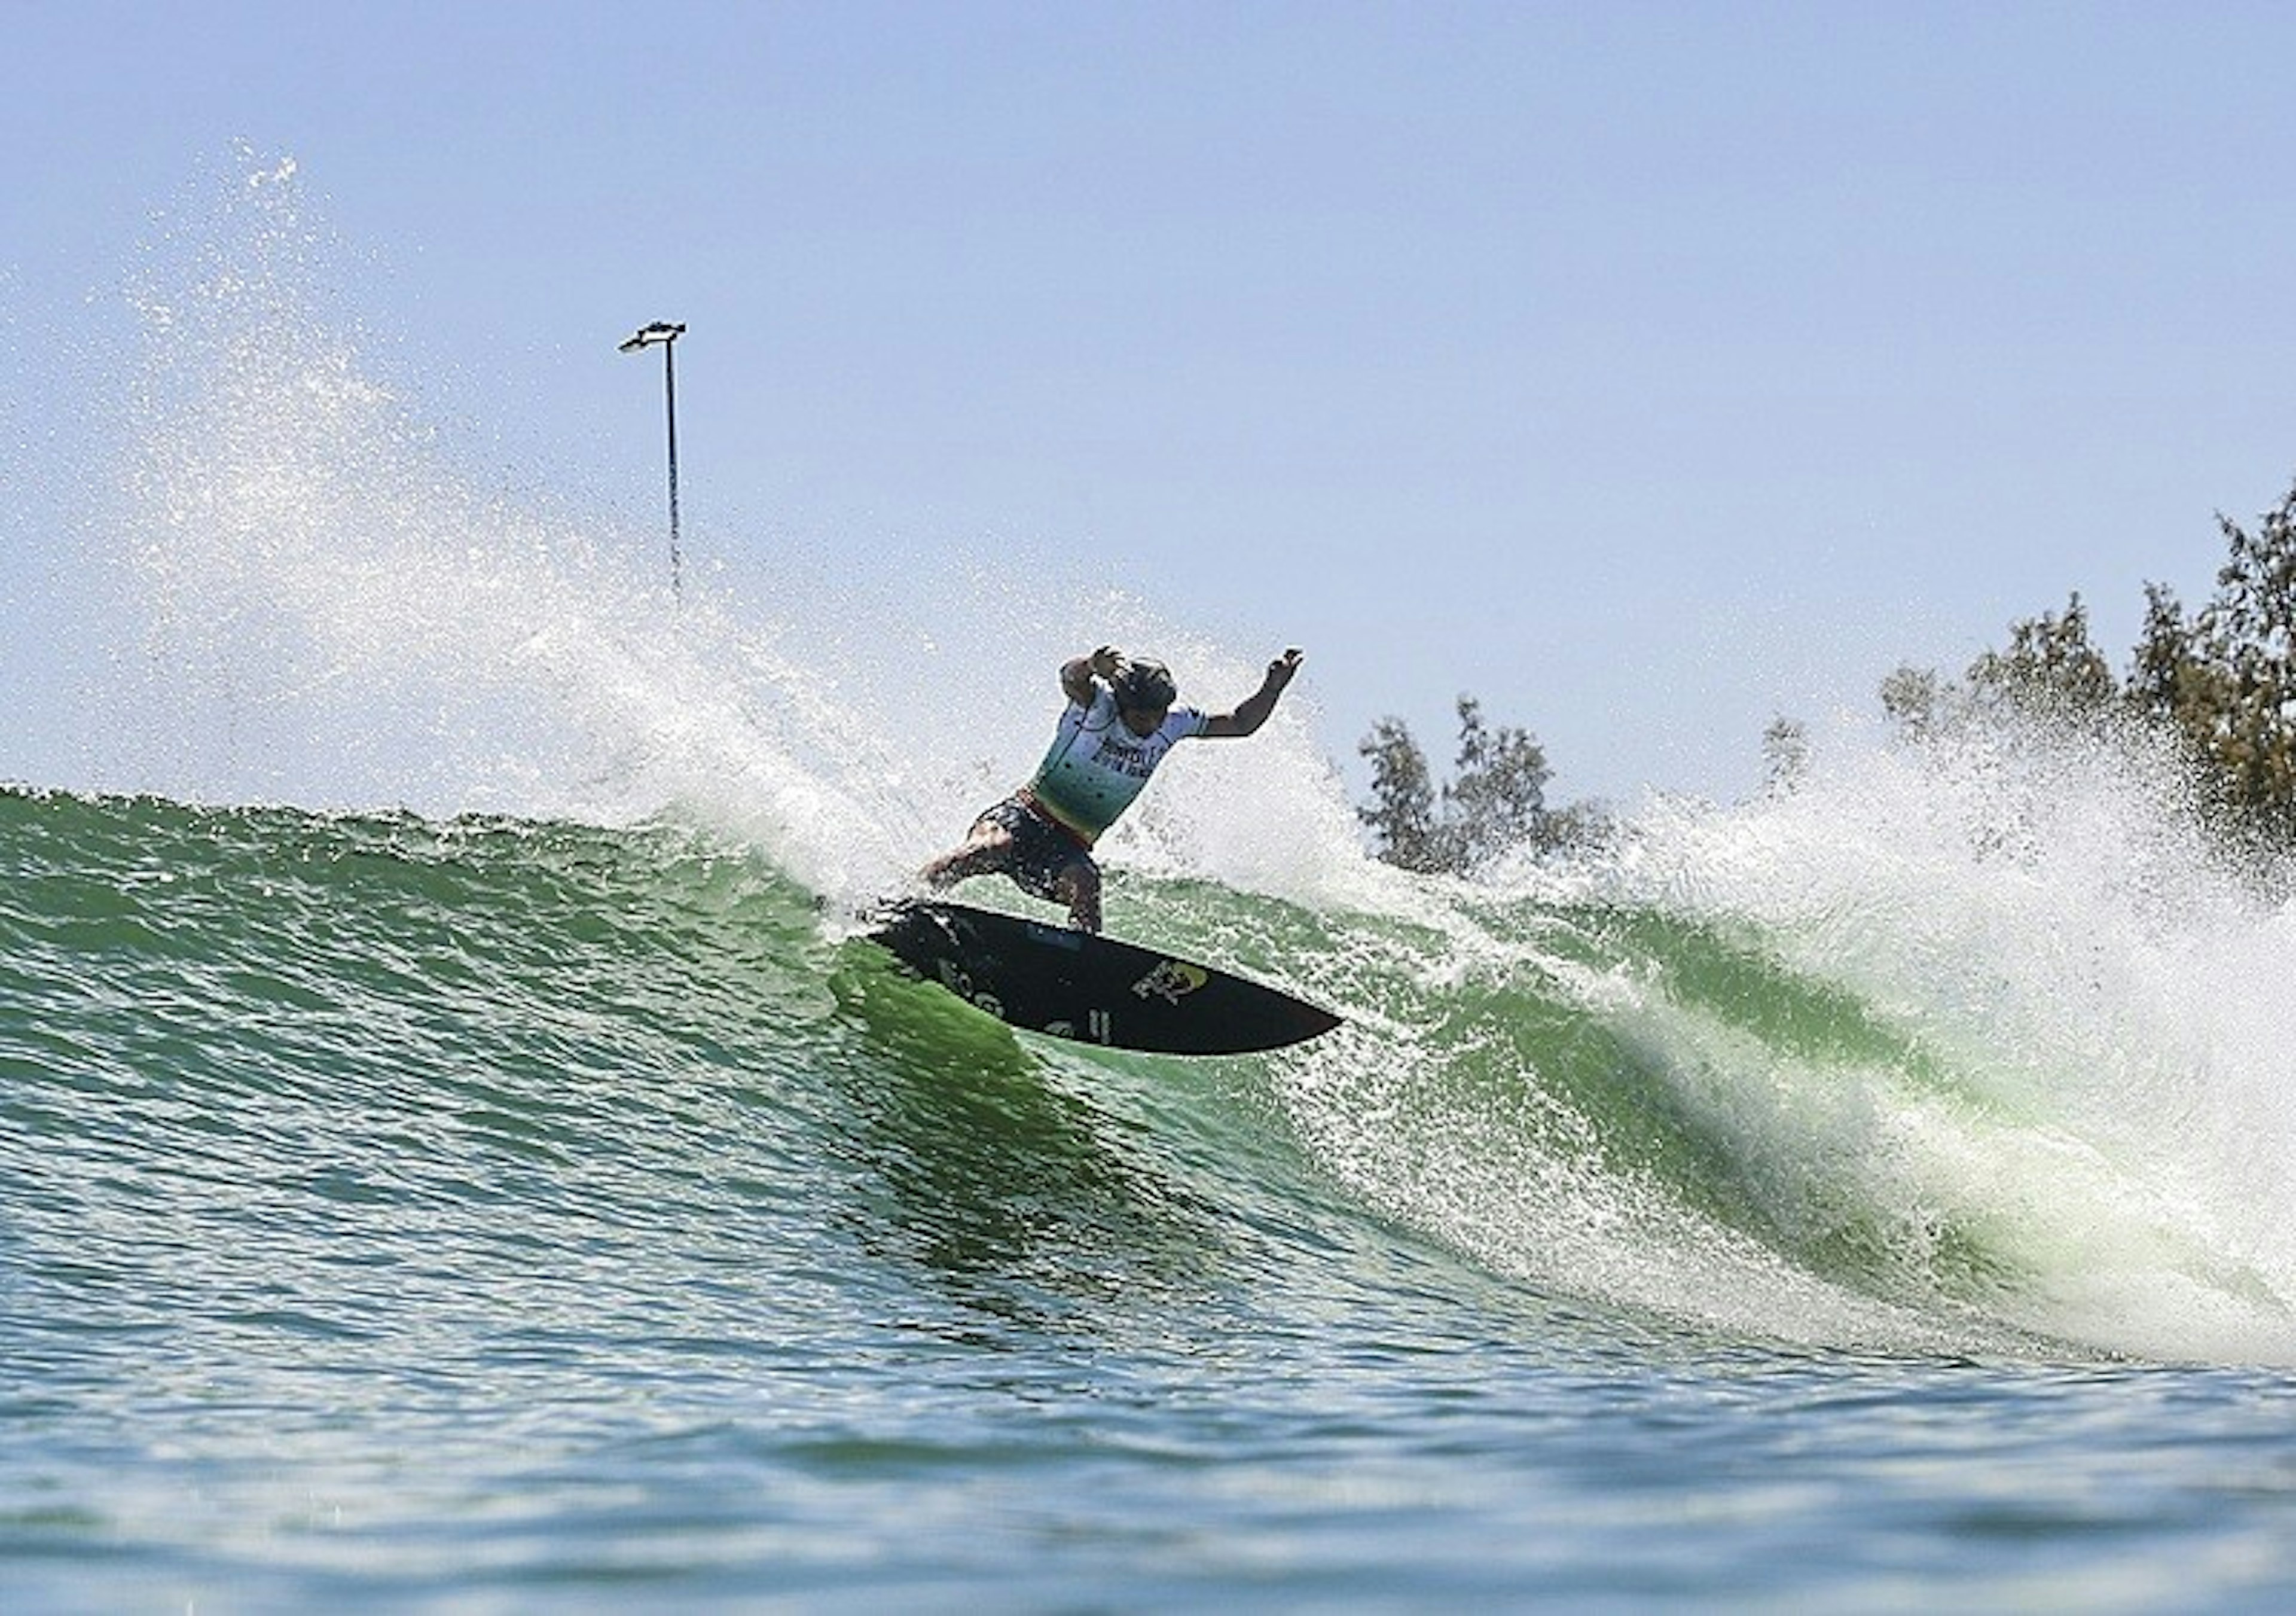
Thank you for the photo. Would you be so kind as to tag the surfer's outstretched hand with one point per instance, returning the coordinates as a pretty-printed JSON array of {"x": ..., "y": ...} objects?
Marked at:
[{"x": 1280, "y": 670}]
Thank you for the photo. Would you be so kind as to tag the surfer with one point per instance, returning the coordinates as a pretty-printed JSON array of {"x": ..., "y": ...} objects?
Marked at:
[{"x": 1120, "y": 724}]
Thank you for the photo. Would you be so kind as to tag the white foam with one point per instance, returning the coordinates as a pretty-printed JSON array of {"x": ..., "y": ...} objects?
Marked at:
[{"x": 331, "y": 606}]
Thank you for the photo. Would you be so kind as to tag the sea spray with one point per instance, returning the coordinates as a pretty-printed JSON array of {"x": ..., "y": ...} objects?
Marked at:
[
  {"x": 323, "y": 601},
  {"x": 2085, "y": 1126},
  {"x": 335, "y": 612}
]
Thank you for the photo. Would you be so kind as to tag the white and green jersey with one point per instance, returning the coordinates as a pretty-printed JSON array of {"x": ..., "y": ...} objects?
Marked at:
[{"x": 1097, "y": 765}]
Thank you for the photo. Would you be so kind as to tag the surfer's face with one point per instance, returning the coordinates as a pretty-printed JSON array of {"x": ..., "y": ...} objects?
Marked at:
[{"x": 1141, "y": 721}]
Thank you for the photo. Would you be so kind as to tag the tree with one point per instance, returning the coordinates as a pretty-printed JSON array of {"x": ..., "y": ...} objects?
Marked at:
[
  {"x": 2050, "y": 670},
  {"x": 1403, "y": 815},
  {"x": 1917, "y": 701},
  {"x": 1496, "y": 800},
  {"x": 2244, "y": 721},
  {"x": 2167, "y": 681},
  {"x": 1785, "y": 754},
  {"x": 2222, "y": 680}
]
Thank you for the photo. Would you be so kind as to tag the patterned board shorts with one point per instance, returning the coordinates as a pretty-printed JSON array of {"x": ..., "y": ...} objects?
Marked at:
[{"x": 1041, "y": 848}]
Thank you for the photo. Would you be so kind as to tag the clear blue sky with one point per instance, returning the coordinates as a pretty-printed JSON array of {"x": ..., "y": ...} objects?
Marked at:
[{"x": 1647, "y": 370}]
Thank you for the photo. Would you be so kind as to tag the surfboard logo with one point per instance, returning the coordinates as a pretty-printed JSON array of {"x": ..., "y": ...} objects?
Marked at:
[
  {"x": 1100, "y": 1028},
  {"x": 959, "y": 983},
  {"x": 1171, "y": 982}
]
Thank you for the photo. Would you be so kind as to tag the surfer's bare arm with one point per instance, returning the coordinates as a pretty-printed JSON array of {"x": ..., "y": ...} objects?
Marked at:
[
  {"x": 1252, "y": 712},
  {"x": 1076, "y": 676}
]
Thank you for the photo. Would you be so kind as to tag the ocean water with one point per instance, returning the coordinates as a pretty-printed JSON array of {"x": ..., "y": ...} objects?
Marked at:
[
  {"x": 494, "y": 1214},
  {"x": 455, "y": 1153}
]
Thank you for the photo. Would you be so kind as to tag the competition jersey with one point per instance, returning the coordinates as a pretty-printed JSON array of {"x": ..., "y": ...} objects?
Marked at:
[{"x": 1097, "y": 765}]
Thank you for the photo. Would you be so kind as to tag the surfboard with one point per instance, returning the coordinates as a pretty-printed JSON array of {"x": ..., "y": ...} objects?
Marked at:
[{"x": 1096, "y": 989}]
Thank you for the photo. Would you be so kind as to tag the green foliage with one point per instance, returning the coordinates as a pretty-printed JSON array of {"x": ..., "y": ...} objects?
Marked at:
[
  {"x": 1785, "y": 753},
  {"x": 1496, "y": 800},
  {"x": 2050, "y": 670},
  {"x": 1917, "y": 701},
  {"x": 2222, "y": 680},
  {"x": 2240, "y": 711},
  {"x": 1403, "y": 812}
]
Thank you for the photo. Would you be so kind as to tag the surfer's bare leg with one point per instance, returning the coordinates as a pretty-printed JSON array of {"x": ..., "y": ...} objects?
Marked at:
[
  {"x": 1078, "y": 887},
  {"x": 987, "y": 850}
]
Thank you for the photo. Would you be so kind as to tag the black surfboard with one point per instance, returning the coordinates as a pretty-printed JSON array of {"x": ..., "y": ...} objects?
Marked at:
[{"x": 1076, "y": 985}]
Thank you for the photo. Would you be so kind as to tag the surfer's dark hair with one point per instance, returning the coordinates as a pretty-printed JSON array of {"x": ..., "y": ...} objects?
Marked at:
[{"x": 1145, "y": 686}]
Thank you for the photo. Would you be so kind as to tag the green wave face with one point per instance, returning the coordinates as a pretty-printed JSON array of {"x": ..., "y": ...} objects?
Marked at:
[{"x": 484, "y": 1036}]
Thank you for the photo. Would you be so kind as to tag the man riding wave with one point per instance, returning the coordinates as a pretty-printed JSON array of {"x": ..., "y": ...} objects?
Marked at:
[{"x": 1120, "y": 722}]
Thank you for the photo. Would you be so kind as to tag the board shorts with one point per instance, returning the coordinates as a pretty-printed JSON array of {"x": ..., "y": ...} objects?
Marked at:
[{"x": 1040, "y": 850}]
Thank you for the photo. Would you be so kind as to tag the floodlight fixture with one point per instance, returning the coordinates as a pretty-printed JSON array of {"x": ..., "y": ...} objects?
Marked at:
[{"x": 663, "y": 334}]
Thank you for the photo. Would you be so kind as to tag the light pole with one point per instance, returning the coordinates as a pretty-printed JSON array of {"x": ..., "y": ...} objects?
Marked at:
[{"x": 667, "y": 335}]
